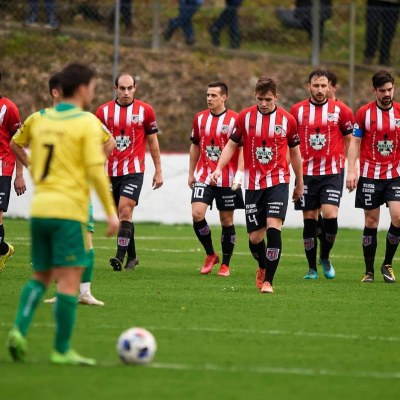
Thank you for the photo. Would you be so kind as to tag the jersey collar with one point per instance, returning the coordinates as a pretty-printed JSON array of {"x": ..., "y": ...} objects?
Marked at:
[
  {"x": 318, "y": 104},
  {"x": 269, "y": 113},
  {"x": 65, "y": 106}
]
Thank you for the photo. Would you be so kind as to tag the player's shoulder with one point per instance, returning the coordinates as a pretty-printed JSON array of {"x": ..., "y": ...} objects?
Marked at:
[
  {"x": 247, "y": 111},
  {"x": 368, "y": 106},
  {"x": 202, "y": 113},
  {"x": 7, "y": 102},
  {"x": 396, "y": 105},
  {"x": 109, "y": 103},
  {"x": 231, "y": 113},
  {"x": 296, "y": 106},
  {"x": 141, "y": 103}
]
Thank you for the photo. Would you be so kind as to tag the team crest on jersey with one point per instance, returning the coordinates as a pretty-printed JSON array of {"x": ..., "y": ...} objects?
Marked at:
[
  {"x": 224, "y": 129},
  {"x": 122, "y": 142},
  {"x": 385, "y": 147},
  {"x": 213, "y": 152},
  {"x": 397, "y": 123},
  {"x": 332, "y": 117},
  {"x": 278, "y": 129},
  {"x": 317, "y": 140},
  {"x": 136, "y": 119},
  {"x": 264, "y": 154}
]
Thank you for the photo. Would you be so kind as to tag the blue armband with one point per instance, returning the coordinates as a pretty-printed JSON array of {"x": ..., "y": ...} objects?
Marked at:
[{"x": 357, "y": 132}]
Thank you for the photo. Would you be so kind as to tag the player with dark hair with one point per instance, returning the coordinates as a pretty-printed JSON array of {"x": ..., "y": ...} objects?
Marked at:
[
  {"x": 321, "y": 124},
  {"x": 66, "y": 155},
  {"x": 85, "y": 295},
  {"x": 10, "y": 121},
  {"x": 376, "y": 140},
  {"x": 266, "y": 132},
  {"x": 211, "y": 131},
  {"x": 132, "y": 123}
]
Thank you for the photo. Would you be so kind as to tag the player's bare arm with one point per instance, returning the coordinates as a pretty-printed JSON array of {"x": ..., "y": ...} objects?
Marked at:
[
  {"x": 238, "y": 180},
  {"x": 19, "y": 181},
  {"x": 297, "y": 166},
  {"x": 20, "y": 153},
  {"x": 154, "y": 149},
  {"x": 194, "y": 155},
  {"x": 226, "y": 155},
  {"x": 352, "y": 156},
  {"x": 108, "y": 146}
]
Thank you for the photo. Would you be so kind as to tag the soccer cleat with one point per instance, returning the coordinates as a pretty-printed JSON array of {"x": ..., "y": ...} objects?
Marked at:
[
  {"x": 223, "y": 270},
  {"x": 368, "y": 277},
  {"x": 17, "y": 345},
  {"x": 131, "y": 263},
  {"x": 88, "y": 299},
  {"x": 267, "y": 288},
  {"x": 5, "y": 257},
  {"x": 260, "y": 277},
  {"x": 329, "y": 271},
  {"x": 116, "y": 263},
  {"x": 52, "y": 300},
  {"x": 388, "y": 274},
  {"x": 311, "y": 274},
  {"x": 71, "y": 357},
  {"x": 209, "y": 262}
]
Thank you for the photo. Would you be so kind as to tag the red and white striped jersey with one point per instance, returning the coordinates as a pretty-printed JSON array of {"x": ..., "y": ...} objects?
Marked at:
[
  {"x": 320, "y": 128},
  {"x": 129, "y": 125},
  {"x": 211, "y": 132},
  {"x": 265, "y": 138},
  {"x": 380, "y": 145},
  {"x": 10, "y": 121}
]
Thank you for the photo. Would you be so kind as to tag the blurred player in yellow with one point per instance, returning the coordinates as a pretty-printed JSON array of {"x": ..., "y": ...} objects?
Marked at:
[
  {"x": 66, "y": 157},
  {"x": 85, "y": 295}
]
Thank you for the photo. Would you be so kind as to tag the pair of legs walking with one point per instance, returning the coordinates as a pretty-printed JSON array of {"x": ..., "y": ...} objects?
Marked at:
[
  {"x": 203, "y": 233},
  {"x": 370, "y": 242},
  {"x": 327, "y": 239}
]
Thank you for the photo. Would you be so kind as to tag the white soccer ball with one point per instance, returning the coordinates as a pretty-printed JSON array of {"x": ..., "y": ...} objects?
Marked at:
[{"x": 136, "y": 346}]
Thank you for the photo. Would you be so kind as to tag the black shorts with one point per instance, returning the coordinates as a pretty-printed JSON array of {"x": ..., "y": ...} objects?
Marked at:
[
  {"x": 372, "y": 193},
  {"x": 128, "y": 186},
  {"x": 5, "y": 190},
  {"x": 261, "y": 204},
  {"x": 318, "y": 190},
  {"x": 225, "y": 198}
]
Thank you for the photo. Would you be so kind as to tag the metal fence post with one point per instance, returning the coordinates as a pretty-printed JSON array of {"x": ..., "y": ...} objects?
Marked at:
[
  {"x": 155, "y": 43},
  {"x": 116, "y": 40},
  {"x": 316, "y": 40},
  {"x": 352, "y": 52}
]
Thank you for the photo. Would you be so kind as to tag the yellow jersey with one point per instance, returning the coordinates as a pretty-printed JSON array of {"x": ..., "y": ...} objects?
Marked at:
[{"x": 64, "y": 142}]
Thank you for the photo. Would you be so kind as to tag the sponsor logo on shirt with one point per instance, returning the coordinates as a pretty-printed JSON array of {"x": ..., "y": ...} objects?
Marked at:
[
  {"x": 385, "y": 147},
  {"x": 213, "y": 152},
  {"x": 264, "y": 154},
  {"x": 122, "y": 142},
  {"x": 317, "y": 140}
]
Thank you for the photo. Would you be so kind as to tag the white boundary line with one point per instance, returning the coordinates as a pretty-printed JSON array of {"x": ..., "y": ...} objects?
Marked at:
[{"x": 270, "y": 332}]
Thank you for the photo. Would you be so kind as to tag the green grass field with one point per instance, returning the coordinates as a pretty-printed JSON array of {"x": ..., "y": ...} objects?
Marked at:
[{"x": 218, "y": 338}]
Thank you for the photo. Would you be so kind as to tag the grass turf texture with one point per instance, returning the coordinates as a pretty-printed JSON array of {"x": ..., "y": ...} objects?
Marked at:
[{"x": 217, "y": 337}]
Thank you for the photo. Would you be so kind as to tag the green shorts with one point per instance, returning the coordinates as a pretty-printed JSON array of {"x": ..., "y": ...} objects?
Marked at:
[
  {"x": 57, "y": 243},
  {"x": 90, "y": 224}
]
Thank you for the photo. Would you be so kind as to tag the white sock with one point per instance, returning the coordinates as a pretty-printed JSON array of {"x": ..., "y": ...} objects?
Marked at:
[{"x": 84, "y": 287}]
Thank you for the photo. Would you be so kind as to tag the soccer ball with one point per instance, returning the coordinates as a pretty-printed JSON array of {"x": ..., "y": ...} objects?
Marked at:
[{"x": 136, "y": 346}]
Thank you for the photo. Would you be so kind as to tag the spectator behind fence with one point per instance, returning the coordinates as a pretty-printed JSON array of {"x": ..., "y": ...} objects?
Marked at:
[
  {"x": 301, "y": 16},
  {"x": 381, "y": 19},
  {"x": 126, "y": 14},
  {"x": 229, "y": 18},
  {"x": 33, "y": 17},
  {"x": 187, "y": 8}
]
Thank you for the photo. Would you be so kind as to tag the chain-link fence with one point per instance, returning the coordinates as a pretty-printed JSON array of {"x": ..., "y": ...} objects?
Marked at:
[
  {"x": 199, "y": 42},
  {"x": 249, "y": 25}
]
